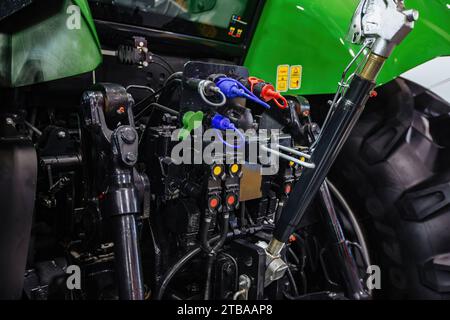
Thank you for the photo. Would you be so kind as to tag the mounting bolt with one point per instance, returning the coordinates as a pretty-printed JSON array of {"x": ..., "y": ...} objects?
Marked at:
[
  {"x": 411, "y": 15},
  {"x": 128, "y": 135},
  {"x": 131, "y": 157},
  {"x": 9, "y": 121},
  {"x": 61, "y": 134}
]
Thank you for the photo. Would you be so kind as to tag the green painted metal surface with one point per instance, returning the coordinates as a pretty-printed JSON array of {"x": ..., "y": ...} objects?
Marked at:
[
  {"x": 311, "y": 33},
  {"x": 44, "y": 48}
]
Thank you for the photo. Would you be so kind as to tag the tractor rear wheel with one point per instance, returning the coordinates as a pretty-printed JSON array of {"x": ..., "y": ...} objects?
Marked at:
[{"x": 395, "y": 172}]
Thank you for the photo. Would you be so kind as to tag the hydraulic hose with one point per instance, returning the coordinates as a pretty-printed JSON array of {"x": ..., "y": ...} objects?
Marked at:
[
  {"x": 223, "y": 238},
  {"x": 155, "y": 105},
  {"x": 174, "y": 76},
  {"x": 204, "y": 234},
  {"x": 209, "y": 265},
  {"x": 174, "y": 269},
  {"x": 346, "y": 266},
  {"x": 212, "y": 253},
  {"x": 195, "y": 251},
  {"x": 292, "y": 281},
  {"x": 355, "y": 224}
]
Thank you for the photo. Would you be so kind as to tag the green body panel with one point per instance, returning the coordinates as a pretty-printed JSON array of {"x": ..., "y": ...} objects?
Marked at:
[
  {"x": 46, "y": 49},
  {"x": 311, "y": 33}
]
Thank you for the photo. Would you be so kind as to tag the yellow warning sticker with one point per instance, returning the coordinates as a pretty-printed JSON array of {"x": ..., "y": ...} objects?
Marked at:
[
  {"x": 295, "y": 81},
  {"x": 283, "y": 78}
]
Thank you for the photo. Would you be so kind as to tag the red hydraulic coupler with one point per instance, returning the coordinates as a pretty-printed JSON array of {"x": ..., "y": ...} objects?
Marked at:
[{"x": 266, "y": 92}]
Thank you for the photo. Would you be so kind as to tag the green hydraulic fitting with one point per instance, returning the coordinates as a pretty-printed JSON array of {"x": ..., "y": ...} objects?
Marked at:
[{"x": 191, "y": 121}]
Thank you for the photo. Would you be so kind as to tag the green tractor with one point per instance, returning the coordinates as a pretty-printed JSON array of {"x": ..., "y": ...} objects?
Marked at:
[{"x": 225, "y": 150}]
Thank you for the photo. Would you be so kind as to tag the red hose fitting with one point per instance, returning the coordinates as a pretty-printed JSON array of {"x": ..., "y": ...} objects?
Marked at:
[
  {"x": 267, "y": 92},
  {"x": 252, "y": 82}
]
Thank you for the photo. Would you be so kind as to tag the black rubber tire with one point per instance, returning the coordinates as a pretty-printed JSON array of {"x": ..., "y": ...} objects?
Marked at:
[{"x": 395, "y": 172}]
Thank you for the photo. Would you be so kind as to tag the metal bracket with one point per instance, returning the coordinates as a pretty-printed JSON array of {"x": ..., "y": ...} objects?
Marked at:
[{"x": 386, "y": 22}]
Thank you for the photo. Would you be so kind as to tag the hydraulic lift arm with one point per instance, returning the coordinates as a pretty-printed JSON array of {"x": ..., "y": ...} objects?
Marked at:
[{"x": 380, "y": 25}]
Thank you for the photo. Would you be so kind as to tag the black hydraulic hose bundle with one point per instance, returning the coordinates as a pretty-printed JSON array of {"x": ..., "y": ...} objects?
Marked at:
[
  {"x": 212, "y": 251},
  {"x": 204, "y": 234},
  {"x": 347, "y": 266},
  {"x": 195, "y": 251}
]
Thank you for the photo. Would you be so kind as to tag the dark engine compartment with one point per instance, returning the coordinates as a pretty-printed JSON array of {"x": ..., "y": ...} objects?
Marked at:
[{"x": 107, "y": 186}]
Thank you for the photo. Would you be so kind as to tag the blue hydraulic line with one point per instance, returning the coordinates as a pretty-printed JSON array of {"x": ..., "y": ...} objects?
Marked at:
[
  {"x": 219, "y": 123},
  {"x": 232, "y": 88}
]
